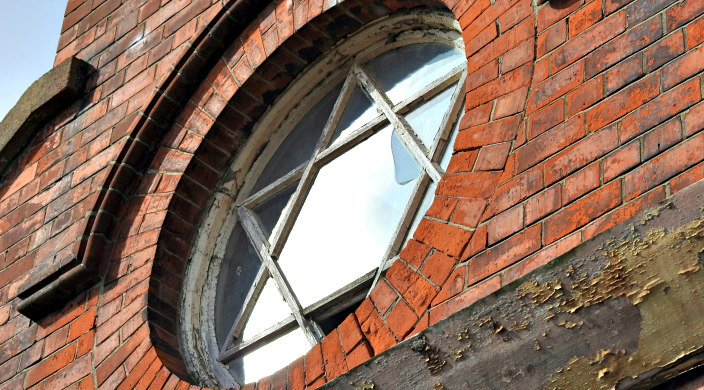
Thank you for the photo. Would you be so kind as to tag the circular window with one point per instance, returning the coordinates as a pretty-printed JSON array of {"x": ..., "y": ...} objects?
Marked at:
[{"x": 333, "y": 181}]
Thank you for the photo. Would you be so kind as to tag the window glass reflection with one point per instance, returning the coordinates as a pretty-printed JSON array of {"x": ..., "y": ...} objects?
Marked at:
[
  {"x": 358, "y": 111},
  {"x": 427, "y": 118},
  {"x": 268, "y": 311}
]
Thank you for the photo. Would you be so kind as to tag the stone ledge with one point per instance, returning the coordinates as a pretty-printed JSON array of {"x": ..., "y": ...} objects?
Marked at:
[
  {"x": 622, "y": 310},
  {"x": 46, "y": 97}
]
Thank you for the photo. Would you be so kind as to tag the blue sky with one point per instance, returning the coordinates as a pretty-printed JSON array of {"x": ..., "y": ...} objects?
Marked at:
[{"x": 29, "y": 34}]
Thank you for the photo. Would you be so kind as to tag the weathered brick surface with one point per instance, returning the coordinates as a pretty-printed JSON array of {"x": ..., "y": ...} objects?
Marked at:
[{"x": 577, "y": 117}]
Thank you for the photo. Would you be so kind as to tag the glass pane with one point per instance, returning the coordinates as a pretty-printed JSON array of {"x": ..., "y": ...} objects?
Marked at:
[
  {"x": 268, "y": 311},
  {"x": 449, "y": 146},
  {"x": 300, "y": 143},
  {"x": 347, "y": 220},
  {"x": 406, "y": 70},
  {"x": 405, "y": 166},
  {"x": 358, "y": 111},
  {"x": 270, "y": 210},
  {"x": 237, "y": 273},
  {"x": 273, "y": 356},
  {"x": 427, "y": 118}
]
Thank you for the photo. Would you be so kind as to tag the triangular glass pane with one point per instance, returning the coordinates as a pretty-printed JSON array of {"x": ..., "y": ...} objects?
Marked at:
[
  {"x": 406, "y": 70},
  {"x": 358, "y": 111},
  {"x": 300, "y": 143},
  {"x": 238, "y": 271},
  {"x": 406, "y": 168},
  {"x": 427, "y": 118},
  {"x": 270, "y": 309},
  {"x": 449, "y": 147},
  {"x": 269, "y": 211}
]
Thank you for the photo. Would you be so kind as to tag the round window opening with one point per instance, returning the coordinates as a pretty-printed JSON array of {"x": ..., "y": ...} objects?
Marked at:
[{"x": 317, "y": 205}]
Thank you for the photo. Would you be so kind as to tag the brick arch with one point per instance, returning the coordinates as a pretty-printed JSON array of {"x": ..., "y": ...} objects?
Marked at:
[{"x": 187, "y": 166}]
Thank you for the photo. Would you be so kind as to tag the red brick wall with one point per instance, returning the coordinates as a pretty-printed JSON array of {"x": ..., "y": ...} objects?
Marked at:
[{"x": 578, "y": 115}]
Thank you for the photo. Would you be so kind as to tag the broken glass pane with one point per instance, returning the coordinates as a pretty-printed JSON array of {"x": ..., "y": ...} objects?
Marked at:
[
  {"x": 347, "y": 220},
  {"x": 268, "y": 311},
  {"x": 405, "y": 166},
  {"x": 408, "y": 69},
  {"x": 427, "y": 118}
]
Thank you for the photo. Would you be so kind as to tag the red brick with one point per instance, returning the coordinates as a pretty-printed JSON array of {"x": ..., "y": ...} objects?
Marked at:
[
  {"x": 549, "y": 13},
  {"x": 623, "y": 102},
  {"x": 555, "y": 86},
  {"x": 492, "y": 157},
  {"x": 417, "y": 291},
  {"x": 580, "y": 183},
  {"x": 442, "y": 208},
  {"x": 621, "y": 47},
  {"x": 476, "y": 116},
  {"x": 503, "y": 255},
  {"x": 515, "y": 191},
  {"x": 683, "y": 67},
  {"x": 505, "y": 224},
  {"x": 465, "y": 299},
  {"x": 660, "y": 109},
  {"x": 401, "y": 319},
  {"x": 50, "y": 365},
  {"x": 582, "y": 211},
  {"x": 377, "y": 333},
  {"x": 482, "y": 75},
  {"x": 621, "y": 160},
  {"x": 687, "y": 178},
  {"x": 383, "y": 296},
  {"x": 584, "y": 18},
  {"x": 495, "y": 132},
  {"x": 546, "y": 118},
  {"x": 663, "y": 51},
  {"x": 453, "y": 286},
  {"x": 681, "y": 13},
  {"x": 333, "y": 356},
  {"x": 551, "y": 38},
  {"x": 55, "y": 341},
  {"x": 438, "y": 267},
  {"x": 624, "y": 73},
  {"x": 476, "y": 244},
  {"x": 505, "y": 84},
  {"x": 314, "y": 364},
  {"x": 695, "y": 33},
  {"x": 471, "y": 184},
  {"x": 297, "y": 374},
  {"x": 694, "y": 120},
  {"x": 543, "y": 203},
  {"x": 518, "y": 56},
  {"x": 480, "y": 40},
  {"x": 462, "y": 161},
  {"x": 540, "y": 258},
  {"x": 623, "y": 213},
  {"x": 643, "y": 9},
  {"x": 468, "y": 212},
  {"x": 414, "y": 253},
  {"x": 581, "y": 154},
  {"x": 82, "y": 324},
  {"x": 662, "y": 138},
  {"x": 359, "y": 355},
  {"x": 586, "y": 95},
  {"x": 589, "y": 40},
  {"x": 350, "y": 333},
  {"x": 516, "y": 14},
  {"x": 664, "y": 166},
  {"x": 510, "y": 104}
]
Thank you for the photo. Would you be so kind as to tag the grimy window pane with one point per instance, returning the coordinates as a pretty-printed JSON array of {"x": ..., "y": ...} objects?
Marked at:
[
  {"x": 268, "y": 311},
  {"x": 427, "y": 118},
  {"x": 239, "y": 268},
  {"x": 273, "y": 356},
  {"x": 300, "y": 142},
  {"x": 406, "y": 70},
  {"x": 270, "y": 210},
  {"x": 347, "y": 220},
  {"x": 358, "y": 111}
]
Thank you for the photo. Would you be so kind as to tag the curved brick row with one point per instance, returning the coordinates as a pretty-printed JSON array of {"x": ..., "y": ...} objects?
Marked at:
[{"x": 577, "y": 117}]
